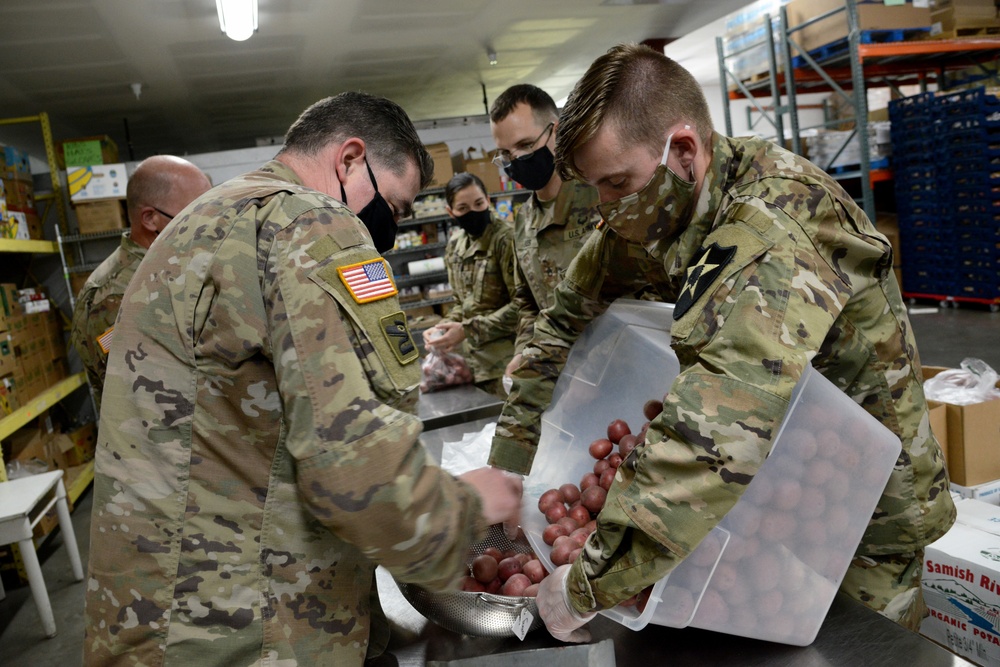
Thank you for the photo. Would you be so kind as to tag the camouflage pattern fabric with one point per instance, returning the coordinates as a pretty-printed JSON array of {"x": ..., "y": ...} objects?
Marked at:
[
  {"x": 546, "y": 238},
  {"x": 481, "y": 272},
  {"x": 97, "y": 307},
  {"x": 252, "y": 466},
  {"x": 890, "y": 585},
  {"x": 808, "y": 279}
]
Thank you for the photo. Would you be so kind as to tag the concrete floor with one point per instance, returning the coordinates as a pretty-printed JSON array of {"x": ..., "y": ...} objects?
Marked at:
[{"x": 944, "y": 336}]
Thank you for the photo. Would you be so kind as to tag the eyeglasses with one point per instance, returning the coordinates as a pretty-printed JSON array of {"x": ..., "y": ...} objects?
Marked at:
[
  {"x": 164, "y": 213},
  {"x": 503, "y": 158}
]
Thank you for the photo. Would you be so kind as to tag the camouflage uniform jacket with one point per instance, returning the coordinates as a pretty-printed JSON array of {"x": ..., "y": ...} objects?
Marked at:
[
  {"x": 97, "y": 307},
  {"x": 252, "y": 469},
  {"x": 800, "y": 276},
  {"x": 481, "y": 272},
  {"x": 546, "y": 239}
]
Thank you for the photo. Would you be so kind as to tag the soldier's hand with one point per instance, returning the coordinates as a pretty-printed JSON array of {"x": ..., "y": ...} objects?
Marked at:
[
  {"x": 453, "y": 334},
  {"x": 512, "y": 366},
  {"x": 431, "y": 336},
  {"x": 562, "y": 621},
  {"x": 500, "y": 493}
]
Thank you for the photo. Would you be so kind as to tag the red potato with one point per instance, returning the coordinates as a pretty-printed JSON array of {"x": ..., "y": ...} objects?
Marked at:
[
  {"x": 494, "y": 586},
  {"x": 813, "y": 503},
  {"x": 617, "y": 429},
  {"x": 565, "y": 542},
  {"x": 580, "y": 536},
  {"x": 509, "y": 567},
  {"x": 589, "y": 480},
  {"x": 600, "y": 448},
  {"x": 787, "y": 494},
  {"x": 591, "y": 525},
  {"x": 600, "y": 467},
  {"x": 627, "y": 444},
  {"x": 531, "y": 591},
  {"x": 607, "y": 477},
  {"x": 615, "y": 460},
  {"x": 470, "y": 585},
  {"x": 553, "y": 531},
  {"x": 574, "y": 554},
  {"x": 524, "y": 558},
  {"x": 535, "y": 571},
  {"x": 580, "y": 514},
  {"x": 516, "y": 585},
  {"x": 560, "y": 554},
  {"x": 777, "y": 526},
  {"x": 643, "y": 599},
  {"x": 651, "y": 409},
  {"x": 548, "y": 499},
  {"x": 569, "y": 523},
  {"x": 484, "y": 568},
  {"x": 570, "y": 493},
  {"x": 493, "y": 551},
  {"x": 593, "y": 499},
  {"x": 554, "y": 513}
]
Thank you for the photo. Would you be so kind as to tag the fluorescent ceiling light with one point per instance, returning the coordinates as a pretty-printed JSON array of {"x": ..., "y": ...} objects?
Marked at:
[{"x": 237, "y": 18}]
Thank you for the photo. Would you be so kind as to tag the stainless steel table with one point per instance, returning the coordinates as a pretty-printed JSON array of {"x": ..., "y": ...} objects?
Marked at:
[
  {"x": 851, "y": 636},
  {"x": 457, "y": 405}
]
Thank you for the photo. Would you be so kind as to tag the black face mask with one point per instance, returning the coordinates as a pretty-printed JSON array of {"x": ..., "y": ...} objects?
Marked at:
[
  {"x": 377, "y": 216},
  {"x": 474, "y": 222},
  {"x": 533, "y": 170}
]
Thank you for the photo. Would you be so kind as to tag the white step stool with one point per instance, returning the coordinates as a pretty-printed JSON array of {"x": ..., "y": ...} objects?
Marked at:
[{"x": 23, "y": 503}]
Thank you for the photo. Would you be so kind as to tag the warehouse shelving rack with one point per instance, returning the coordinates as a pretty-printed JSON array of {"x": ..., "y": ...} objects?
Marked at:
[
  {"x": 848, "y": 73},
  {"x": 51, "y": 202}
]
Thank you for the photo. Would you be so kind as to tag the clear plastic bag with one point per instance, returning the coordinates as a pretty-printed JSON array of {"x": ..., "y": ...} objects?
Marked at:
[
  {"x": 441, "y": 370},
  {"x": 974, "y": 382}
]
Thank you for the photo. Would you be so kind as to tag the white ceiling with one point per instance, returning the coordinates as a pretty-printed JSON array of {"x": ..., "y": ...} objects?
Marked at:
[{"x": 76, "y": 60}]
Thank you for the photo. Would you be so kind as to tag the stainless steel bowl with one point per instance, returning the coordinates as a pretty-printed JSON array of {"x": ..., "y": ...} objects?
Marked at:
[{"x": 478, "y": 614}]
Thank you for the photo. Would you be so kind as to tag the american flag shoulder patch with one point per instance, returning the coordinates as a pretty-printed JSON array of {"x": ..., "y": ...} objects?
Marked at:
[
  {"x": 368, "y": 281},
  {"x": 104, "y": 340}
]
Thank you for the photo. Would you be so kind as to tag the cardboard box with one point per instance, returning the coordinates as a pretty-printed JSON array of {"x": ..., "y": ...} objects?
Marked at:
[
  {"x": 871, "y": 16},
  {"x": 973, "y": 439},
  {"x": 86, "y": 151},
  {"x": 9, "y": 301},
  {"x": 7, "y": 355},
  {"x": 16, "y": 161},
  {"x": 100, "y": 216},
  {"x": 23, "y": 225},
  {"x": 985, "y": 493},
  {"x": 19, "y": 191},
  {"x": 84, "y": 440},
  {"x": 443, "y": 170},
  {"x": 487, "y": 172},
  {"x": 99, "y": 181},
  {"x": 951, "y": 15},
  {"x": 8, "y": 396},
  {"x": 961, "y": 586}
]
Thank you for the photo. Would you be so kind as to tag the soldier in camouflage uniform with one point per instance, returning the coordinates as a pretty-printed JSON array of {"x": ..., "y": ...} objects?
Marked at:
[
  {"x": 480, "y": 260},
  {"x": 253, "y": 465},
  {"x": 159, "y": 188},
  {"x": 771, "y": 266},
  {"x": 552, "y": 225}
]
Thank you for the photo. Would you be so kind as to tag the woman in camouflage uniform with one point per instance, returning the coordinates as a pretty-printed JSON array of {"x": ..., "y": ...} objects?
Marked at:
[{"x": 480, "y": 261}]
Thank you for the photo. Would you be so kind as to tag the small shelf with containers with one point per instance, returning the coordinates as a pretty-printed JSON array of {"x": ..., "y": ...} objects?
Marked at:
[{"x": 418, "y": 259}]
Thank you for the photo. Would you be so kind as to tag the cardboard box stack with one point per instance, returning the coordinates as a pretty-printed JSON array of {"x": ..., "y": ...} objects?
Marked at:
[
  {"x": 961, "y": 585},
  {"x": 746, "y": 33},
  {"x": 956, "y": 18},
  {"x": 36, "y": 349},
  {"x": 443, "y": 167},
  {"x": 873, "y": 15},
  {"x": 18, "y": 216}
]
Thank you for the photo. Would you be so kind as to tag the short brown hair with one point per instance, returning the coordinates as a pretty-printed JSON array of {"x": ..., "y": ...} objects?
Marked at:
[
  {"x": 543, "y": 107},
  {"x": 387, "y": 131},
  {"x": 641, "y": 92}
]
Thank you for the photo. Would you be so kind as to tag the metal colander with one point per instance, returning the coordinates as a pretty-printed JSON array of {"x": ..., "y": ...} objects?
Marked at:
[{"x": 478, "y": 614}]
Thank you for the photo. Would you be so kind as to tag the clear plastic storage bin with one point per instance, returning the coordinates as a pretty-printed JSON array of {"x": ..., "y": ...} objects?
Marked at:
[{"x": 772, "y": 566}]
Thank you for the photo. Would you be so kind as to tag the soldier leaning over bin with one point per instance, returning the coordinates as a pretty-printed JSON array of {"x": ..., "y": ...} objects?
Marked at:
[
  {"x": 253, "y": 465},
  {"x": 159, "y": 188},
  {"x": 771, "y": 266}
]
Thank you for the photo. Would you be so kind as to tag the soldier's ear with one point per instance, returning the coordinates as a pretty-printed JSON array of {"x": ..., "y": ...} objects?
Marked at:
[
  {"x": 148, "y": 218},
  {"x": 350, "y": 154}
]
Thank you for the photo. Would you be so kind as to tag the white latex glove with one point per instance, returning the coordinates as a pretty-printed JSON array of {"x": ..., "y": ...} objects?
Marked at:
[{"x": 562, "y": 621}]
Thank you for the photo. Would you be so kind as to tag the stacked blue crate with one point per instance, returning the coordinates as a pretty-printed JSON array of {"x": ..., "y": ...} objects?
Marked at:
[
  {"x": 947, "y": 177},
  {"x": 924, "y": 243}
]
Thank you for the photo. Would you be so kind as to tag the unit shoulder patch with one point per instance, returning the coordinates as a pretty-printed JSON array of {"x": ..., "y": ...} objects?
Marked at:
[
  {"x": 700, "y": 275},
  {"x": 397, "y": 334},
  {"x": 368, "y": 281}
]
